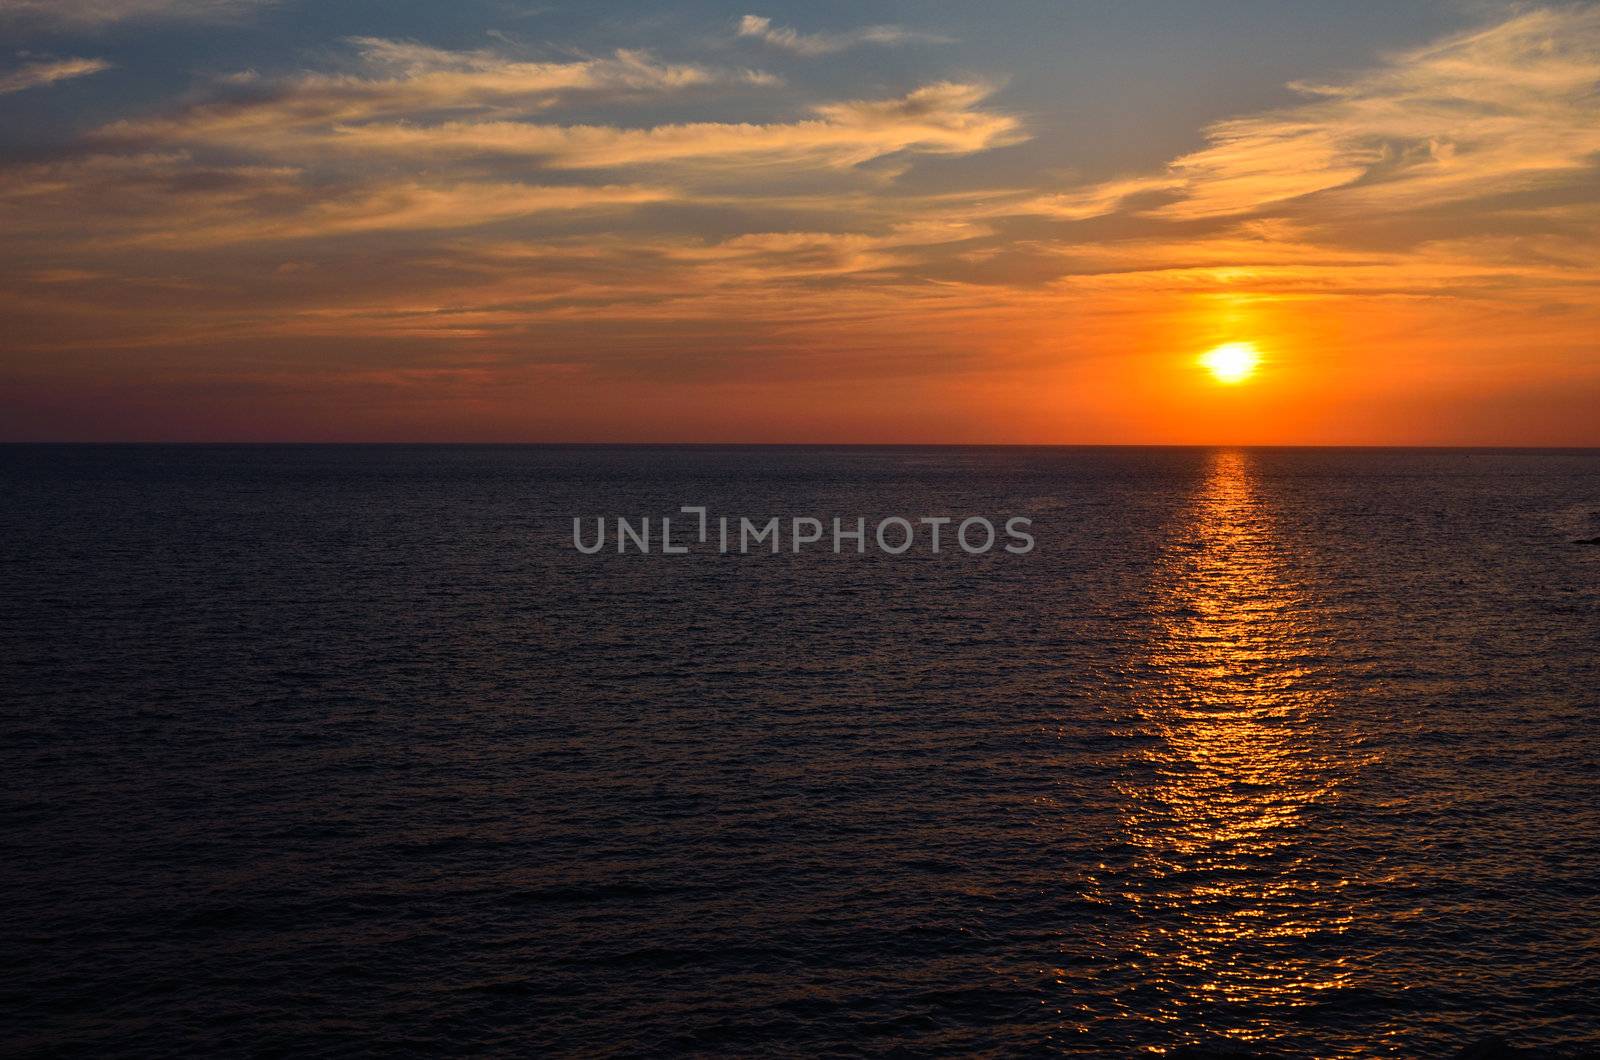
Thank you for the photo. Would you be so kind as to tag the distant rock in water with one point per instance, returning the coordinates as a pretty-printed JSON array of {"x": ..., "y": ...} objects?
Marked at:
[{"x": 1587, "y": 541}]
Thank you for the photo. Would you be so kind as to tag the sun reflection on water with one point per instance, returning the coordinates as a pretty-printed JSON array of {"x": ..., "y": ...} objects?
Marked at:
[{"x": 1224, "y": 901}]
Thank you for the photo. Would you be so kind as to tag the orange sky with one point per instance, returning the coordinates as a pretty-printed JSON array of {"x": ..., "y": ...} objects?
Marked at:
[{"x": 397, "y": 240}]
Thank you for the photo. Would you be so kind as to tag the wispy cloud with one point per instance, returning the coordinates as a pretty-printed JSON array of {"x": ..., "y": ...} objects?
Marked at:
[
  {"x": 936, "y": 119},
  {"x": 421, "y": 139},
  {"x": 1511, "y": 108},
  {"x": 400, "y": 79},
  {"x": 1469, "y": 168},
  {"x": 759, "y": 27},
  {"x": 170, "y": 200},
  {"x": 48, "y": 72},
  {"x": 393, "y": 207},
  {"x": 104, "y": 12},
  {"x": 413, "y": 101},
  {"x": 486, "y": 74}
]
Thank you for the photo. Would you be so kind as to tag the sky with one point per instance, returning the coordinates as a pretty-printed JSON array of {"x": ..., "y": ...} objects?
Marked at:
[{"x": 935, "y": 222}]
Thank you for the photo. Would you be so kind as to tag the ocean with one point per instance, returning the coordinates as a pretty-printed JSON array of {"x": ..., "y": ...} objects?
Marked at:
[{"x": 323, "y": 750}]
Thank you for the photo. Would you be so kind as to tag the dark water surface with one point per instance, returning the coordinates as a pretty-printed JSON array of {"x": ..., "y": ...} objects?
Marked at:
[{"x": 322, "y": 750}]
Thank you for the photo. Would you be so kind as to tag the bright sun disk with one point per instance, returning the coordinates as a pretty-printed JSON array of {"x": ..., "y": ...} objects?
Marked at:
[{"x": 1232, "y": 362}]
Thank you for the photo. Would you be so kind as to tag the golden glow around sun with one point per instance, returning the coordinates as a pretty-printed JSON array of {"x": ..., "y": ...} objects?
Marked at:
[{"x": 1232, "y": 362}]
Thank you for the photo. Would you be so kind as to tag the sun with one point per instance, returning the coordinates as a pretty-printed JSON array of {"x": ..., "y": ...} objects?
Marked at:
[{"x": 1232, "y": 362}]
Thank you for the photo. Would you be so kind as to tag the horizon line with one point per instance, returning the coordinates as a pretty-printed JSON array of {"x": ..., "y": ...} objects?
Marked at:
[{"x": 804, "y": 445}]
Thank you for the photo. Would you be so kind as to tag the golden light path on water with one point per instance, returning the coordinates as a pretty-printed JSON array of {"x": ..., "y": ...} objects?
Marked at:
[{"x": 1224, "y": 891}]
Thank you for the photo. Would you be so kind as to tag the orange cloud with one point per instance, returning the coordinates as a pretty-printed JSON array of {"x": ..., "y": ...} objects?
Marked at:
[
  {"x": 937, "y": 119},
  {"x": 404, "y": 80},
  {"x": 1506, "y": 109},
  {"x": 167, "y": 200},
  {"x": 35, "y": 75},
  {"x": 320, "y": 112}
]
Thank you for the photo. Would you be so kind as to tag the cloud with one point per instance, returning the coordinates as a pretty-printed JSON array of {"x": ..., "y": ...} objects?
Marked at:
[
  {"x": 758, "y": 27},
  {"x": 403, "y": 206},
  {"x": 35, "y": 75},
  {"x": 1098, "y": 200},
  {"x": 400, "y": 79},
  {"x": 937, "y": 119},
  {"x": 105, "y": 12},
  {"x": 170, "y": 200},
  {"x": 423, "y": 102},
  {"x": 486, "y": 75},
  {"x": 1469, "y": 168},
  {"x": 1510, "y": 108},
  {"x": 420, "y": 139}
]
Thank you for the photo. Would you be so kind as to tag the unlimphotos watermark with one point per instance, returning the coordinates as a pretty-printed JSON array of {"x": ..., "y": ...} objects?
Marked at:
[{"x": 894, "y": 535}]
